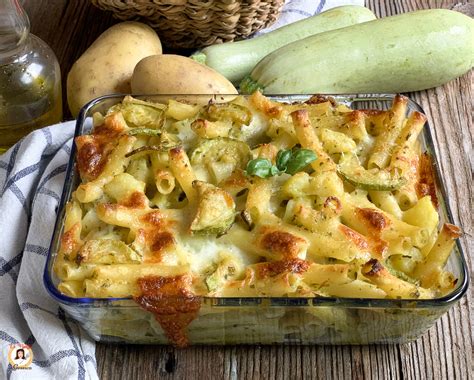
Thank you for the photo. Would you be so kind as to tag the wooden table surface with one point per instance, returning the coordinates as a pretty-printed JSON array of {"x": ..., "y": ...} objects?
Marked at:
[{"x": 445, "y": 352}]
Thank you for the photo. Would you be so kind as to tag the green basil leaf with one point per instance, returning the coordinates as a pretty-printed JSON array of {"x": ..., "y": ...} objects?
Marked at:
[
  {"x": 260, "y": 167},
  {"x": 299, "y": 160},
  {"x": 275, "y": 171},
  {"x": 282, "y": 158}
]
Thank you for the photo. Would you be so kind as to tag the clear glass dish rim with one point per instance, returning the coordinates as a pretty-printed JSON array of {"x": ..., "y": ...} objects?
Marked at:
[{"x": 445, "y": 301}]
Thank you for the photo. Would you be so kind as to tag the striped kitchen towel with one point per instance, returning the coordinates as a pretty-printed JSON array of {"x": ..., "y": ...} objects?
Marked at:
[
  {"x": 31, "y": 180},
  {"x": 295, "y": 10},
  {"x": 37, "y": 339}
]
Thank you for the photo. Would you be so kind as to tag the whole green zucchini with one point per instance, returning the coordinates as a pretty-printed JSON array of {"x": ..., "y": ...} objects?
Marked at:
[
  {"x": 235, "y": 60},
  {"x": 407, "y": 52}
]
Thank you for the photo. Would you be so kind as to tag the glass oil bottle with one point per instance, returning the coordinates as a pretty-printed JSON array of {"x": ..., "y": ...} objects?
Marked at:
[{"x": 30, "y": 79}]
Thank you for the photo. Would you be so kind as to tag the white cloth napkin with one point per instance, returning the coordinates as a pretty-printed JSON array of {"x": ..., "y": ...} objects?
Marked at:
[
  {"x": 32, "y": 174},
  {"x": 295, "y": 10},
  {"x": 31, "y": 181}
]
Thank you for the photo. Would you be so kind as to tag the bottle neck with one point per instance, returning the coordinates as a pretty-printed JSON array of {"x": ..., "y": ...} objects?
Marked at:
[{"x": 14, "y": 28}]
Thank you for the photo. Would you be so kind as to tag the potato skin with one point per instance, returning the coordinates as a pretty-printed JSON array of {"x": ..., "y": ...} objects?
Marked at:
[
  {"x": 175, "y": 74},
  {"x": 106, "y": 67}
]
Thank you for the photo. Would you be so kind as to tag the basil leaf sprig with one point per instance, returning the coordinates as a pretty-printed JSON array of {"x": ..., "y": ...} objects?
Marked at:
[
  {"x": 299, "y": 160},
  {"x": 261, "y": 167},
  {"x": 288, "y": 161},
  {"x": 283, "y": 157}
]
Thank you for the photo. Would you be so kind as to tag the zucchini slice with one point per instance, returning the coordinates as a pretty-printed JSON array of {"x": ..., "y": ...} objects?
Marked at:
[
  {"x": 106, "y": 251},
  {"x": 140, "y": 114},
  {"x": 221, "y": 149},
  {"x": 229, "y": 111},
  {"x": 226, "y": 270},
  {"x": 216, "y": 210},
  {"x": 373, "y": 179}
]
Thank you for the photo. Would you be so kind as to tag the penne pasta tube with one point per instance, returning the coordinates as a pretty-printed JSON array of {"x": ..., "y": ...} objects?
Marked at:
[
  {"x": 183, "y": 172},
  {"x": 71, "y": 238},
  {"x": 105, "y": 289},
  {"x": 72, "y": 288},
  {"x": 71, "y": 271},
  {"x": 353, "y": 289},
  {"x": 429, "y": 270},
  {"x": 390, "y": 284},
  {"x": 418, "y": 236},
  {"x": 405, "y": 159},
  {"x": 132, "y": 272},
  {"x": 319, "y": 275},
  {"x": 387, "y": 202},
  {"x": 116, "y": 163},
  {"x": 165, "y": 181},
  {"x": 386, "y": 140},
  {"x": 258, "y": 198},
  {"x": 308, "y": 139}
]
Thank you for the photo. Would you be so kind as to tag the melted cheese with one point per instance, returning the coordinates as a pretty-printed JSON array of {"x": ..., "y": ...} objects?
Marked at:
[
  {"x": 203, "y": 252},
  {"x": 273, "y": 228}
]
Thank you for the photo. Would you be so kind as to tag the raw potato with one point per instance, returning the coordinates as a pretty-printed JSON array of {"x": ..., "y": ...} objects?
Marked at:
[
  {"x": 175, "y": 74},
  {"x": 106, "y": 67}
]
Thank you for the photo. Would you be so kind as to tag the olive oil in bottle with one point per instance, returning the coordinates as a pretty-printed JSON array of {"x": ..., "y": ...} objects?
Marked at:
[{"x": 30, "y": 79}]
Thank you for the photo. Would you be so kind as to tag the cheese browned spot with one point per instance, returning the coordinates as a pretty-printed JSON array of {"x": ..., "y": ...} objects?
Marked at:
[
  {"x": 155, "y": 218},
  {"x": 237, "y": 180},
  {"x": 160, "y": 241},
  {"x": 378, "y": 247},
  {"x": 373, "y": 268},
  {"x": 228, "y": 199},
  {"x": 176, "y": 151},
  {"x": 301, "y": 117},
  {"x": 418, "y": 117},
  {"x": 334, "y": 204},
  {"x": 274, "y": 268},
  {"x": 136, "y": 200},
  {"x": 273, "y": 111},
  {"x": 426, "y": 180},
  {"x": 317, "y": 99},
  {"x": 353, "y": 236},
  {"x": 114, "y": 124},
  {"x": 69, "y": 244},
  {"x": 373, "y": 220},
  {"x": 91, "y": 156},
  {"x": 373, "y": 120},
  {"x": 269, "y": 108},
  {"x": 93, "y": 150},
  {"x": 355, "y": 117},
  {"x": 281, "y": 242},
  {"x": 156, "y": 236},
  {"x": 172, "y": 303},
  {"x": 451, "y": 230}
]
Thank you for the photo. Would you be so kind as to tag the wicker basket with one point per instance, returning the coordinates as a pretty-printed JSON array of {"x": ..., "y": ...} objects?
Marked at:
[{"x": 197, "y": 23}]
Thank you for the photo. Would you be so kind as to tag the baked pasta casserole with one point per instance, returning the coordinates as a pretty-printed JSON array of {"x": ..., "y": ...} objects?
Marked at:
[{"x": 252, "y": 198}]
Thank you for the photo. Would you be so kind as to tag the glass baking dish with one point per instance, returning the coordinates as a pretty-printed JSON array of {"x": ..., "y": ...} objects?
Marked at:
[{"x": 263, "y": 320}]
